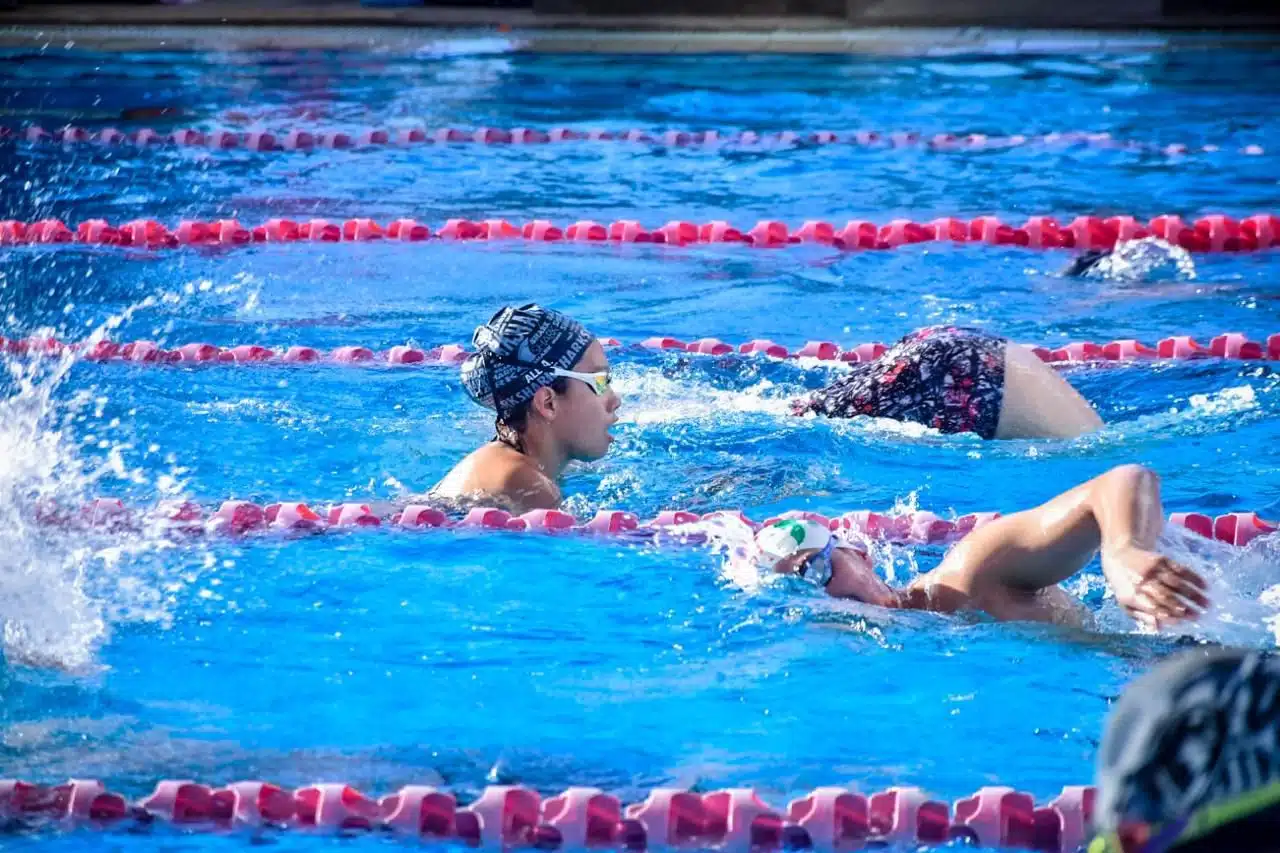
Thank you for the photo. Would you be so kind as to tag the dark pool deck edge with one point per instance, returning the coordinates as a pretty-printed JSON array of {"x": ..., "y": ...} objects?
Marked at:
[
  {"x": 1081, "y": 14},
  {"x": 452, "y": 29}
]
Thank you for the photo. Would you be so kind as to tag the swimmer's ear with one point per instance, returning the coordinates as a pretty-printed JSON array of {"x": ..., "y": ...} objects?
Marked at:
[{"x": 545, "y": 402}]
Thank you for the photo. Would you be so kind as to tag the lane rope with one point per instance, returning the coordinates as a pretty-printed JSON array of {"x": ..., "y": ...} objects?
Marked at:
[
  {"x": 301, "y": 139},
  {"x": 1214, "y": 233},
  {"x": 242, "y": 517},
  {"x": 1230, "y": 345},
  {"x": 512, "y": 816}
]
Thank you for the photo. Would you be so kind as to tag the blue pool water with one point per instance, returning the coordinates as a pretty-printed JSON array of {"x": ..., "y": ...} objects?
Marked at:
[{"x": 385, "y": 658}]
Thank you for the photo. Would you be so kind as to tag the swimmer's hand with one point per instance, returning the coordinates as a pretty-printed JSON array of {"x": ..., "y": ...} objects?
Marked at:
[
  {"x": 1153, "y": 589},
  {"x": 852, "y": 576}
]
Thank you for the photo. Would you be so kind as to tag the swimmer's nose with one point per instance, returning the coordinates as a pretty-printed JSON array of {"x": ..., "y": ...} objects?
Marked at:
[{"x": 614, "y": 401}]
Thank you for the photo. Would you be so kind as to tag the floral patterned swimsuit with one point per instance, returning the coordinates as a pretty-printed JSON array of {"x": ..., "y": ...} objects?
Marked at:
[{"x": 946, "y": 377}]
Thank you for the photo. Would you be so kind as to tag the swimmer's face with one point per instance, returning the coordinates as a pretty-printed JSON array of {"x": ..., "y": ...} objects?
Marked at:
[
  {"x": 583, "y": 417},
  {"x": 852, "y": 576}
]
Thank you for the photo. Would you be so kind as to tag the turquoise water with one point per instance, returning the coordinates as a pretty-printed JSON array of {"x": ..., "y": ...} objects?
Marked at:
[{"x": 382, "y": 658}]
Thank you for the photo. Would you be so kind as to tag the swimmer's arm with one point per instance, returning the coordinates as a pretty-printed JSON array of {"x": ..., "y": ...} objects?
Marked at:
[{"x": 1119, "y": 512}]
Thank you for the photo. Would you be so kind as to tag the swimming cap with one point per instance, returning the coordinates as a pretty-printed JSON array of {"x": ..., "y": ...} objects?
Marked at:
[
  {"x": 789, "y": 536},
  {"x": 513, "y": 351},
  {"x": 1199, "y": 729}
]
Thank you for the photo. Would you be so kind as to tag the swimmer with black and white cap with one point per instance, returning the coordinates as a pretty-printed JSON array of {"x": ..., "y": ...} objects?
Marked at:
[
  {"x": 1190, "y": 761},
  {"x": 1010, "y": 568},
  {"x": 547, "y": 380}
]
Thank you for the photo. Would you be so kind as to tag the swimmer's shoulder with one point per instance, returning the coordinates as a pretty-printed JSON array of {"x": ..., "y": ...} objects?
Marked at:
[
  {"x": 497, "y": 471},
  {"x": 947, "y": 590}
]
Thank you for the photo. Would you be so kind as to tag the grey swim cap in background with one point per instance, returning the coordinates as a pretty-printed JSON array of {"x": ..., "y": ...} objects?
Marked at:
[
  {"x": 1198, "y": 729},
  {"x": 513, "y": 349}
]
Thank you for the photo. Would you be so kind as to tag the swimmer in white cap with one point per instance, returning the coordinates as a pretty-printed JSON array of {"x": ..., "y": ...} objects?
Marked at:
[
  {"x": 547, "y": 380},
  {"x": 1010, "y": 568}
]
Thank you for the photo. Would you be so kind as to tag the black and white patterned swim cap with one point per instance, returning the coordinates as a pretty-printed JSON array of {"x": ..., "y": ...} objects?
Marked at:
[
  {"x": 514, "y": 350},
  {"x": 1199, "y": 729}
]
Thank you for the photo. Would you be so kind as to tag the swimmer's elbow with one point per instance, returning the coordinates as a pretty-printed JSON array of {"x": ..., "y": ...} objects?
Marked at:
[
  {"x": 1133, "y": 472},
  {"x": 1131, "y": 479}
]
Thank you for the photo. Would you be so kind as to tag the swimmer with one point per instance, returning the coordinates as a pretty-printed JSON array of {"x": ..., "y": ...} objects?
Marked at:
[
  {"x": 1085, "y": 263},
  {"x": 547, "y": 380},
  {"x": 1010, "y": 568},
  {"x": 959, "y": 380},
  {"x": 1190, "y": 760},
  {"x": 1148, "y": 259}
]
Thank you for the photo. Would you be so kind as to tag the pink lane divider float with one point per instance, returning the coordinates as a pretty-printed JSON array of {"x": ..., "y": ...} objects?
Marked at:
[
  {"x": 906, "y": 816},
  {"x": 996, "y": 817},
  {"x": 834, "y": 818},
  {"x": 583, "y": 817},
  {"x": 1214, "y": 233},
  {"x": 239, "y": 518},
  {"x": 81, "y": 800},
  {"x": 1064, "y": 824},
  {"x": 420, "y": 810},
  {"x": 148, "y": 352},
  {"x": 299, "y": 139},
  {"x": 512, "y": 816},
  {"x": 1235, "y": 528},
  {"x": 1233, "y": 345}
]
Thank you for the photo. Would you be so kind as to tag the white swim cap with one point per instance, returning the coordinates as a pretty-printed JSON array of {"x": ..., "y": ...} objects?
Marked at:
[{"x": 790, "y": 536}]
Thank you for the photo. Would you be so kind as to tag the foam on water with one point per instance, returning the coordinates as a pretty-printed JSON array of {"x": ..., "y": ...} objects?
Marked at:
[
  {"x": 1148, "y": 259},
  {"x": 47, "y": 615},
  {"x": 651, "y": 397},
  {"x": 62, "y": 585}
]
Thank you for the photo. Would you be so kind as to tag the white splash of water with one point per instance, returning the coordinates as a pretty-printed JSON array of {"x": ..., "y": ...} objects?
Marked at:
[
  {"x": 47, "y": 616},
  {"x": 1148, "y": 259},
  {"x": 464, "y": 47},
  {"x": 62, "y": 586},
  {"x": 651, "y": 397},
  {"x": 1203, "y": 414},
  {"x": 1243, "y": 591}
]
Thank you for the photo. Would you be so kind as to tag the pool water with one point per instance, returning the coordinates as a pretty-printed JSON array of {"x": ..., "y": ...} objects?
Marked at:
[{"x": 382, "y": 658}]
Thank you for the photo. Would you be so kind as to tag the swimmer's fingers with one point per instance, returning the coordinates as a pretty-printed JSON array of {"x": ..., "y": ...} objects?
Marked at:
[
  {"x": 1155, "y": 607},
  {"x": 1186, "y": 583},
  {"x": 791, "y": 565},
  {"x": 1170, "y": 593},
  {"x": 1177, "y": 585}
]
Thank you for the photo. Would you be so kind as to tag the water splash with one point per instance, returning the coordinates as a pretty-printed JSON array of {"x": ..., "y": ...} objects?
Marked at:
[
  {"x": 1148, "y": 259},
  {"x": 652, "y": 397},
  {"x": 63, "y": 584},
  {"x": 1244, "y": 595},
  {"x": 47, "y": 616}
]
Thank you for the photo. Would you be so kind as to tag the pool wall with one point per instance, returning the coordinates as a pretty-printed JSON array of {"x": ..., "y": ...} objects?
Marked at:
[{"x": 714, "y": 15}]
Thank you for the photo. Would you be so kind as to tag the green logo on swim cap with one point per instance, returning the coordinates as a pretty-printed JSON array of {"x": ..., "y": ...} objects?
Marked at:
[{"x": 794, "y": 528}]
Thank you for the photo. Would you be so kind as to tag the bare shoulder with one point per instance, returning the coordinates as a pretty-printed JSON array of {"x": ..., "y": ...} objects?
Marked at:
[
  {"x": 498, "y": 471},
  {"x": 958, "y": 584},
  {"x": 527, "y": 487}
]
